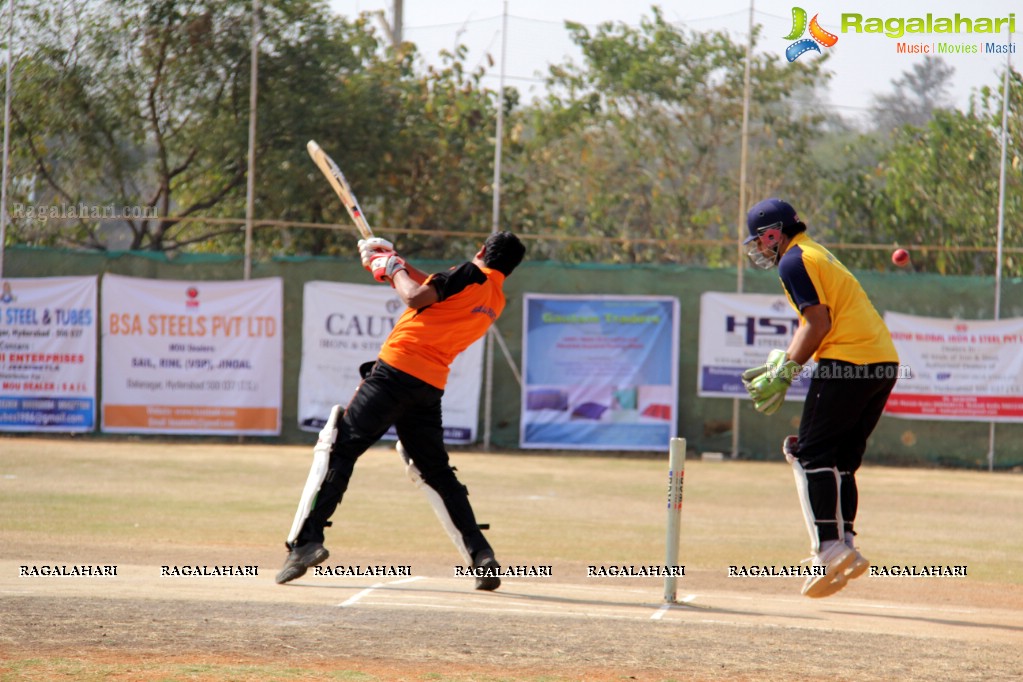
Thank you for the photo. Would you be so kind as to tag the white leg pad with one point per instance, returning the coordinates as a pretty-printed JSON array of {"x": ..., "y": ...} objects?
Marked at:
[
  {"x": 435, "y": 500},
  {"x": 803, "y": 490},
  {"x": 317, "y": 472}
]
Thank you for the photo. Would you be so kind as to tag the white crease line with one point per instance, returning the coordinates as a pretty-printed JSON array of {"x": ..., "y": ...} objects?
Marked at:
[
  {"x": 664, "y": 608},
  {"x": 531, "y": 610},
  {"x": 362, "y": 593},
  {"x": 848, "y": 604}
]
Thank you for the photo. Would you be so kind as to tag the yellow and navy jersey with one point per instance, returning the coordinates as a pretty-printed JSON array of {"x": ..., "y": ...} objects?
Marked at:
[
  {"x": 425, "y": 341},
  {"x": 811, "y": 275}
]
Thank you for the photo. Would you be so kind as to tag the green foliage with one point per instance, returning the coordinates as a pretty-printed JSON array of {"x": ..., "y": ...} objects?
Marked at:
[
  {"x": 632, "y": 155},
  {"x": 144, "y": 106},
  {"x": 937, "y": 186},
  {"x": 439, "y": 171},
  {"x": 638, "y": 147}
]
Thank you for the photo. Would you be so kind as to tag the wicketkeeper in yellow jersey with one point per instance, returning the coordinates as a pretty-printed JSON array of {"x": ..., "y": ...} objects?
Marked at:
[{"x": 857, "y": 367}]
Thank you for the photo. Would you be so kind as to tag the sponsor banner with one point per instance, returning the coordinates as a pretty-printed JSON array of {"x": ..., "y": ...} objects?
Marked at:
[
  {"x": 343, "y": 326},
  {"x": 600, "y": 372},
  {"x": 957, "y": 370},
  {"x": 737, "y": 331},
  {"x": 192, "y": 357},
  {"x": 48, "y": 354}
]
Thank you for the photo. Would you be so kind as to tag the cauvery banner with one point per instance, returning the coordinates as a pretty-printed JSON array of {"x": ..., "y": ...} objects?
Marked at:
[
  {"x": 192, "y": 357},
  {"x": 600, "y": 372},
  {"x": 343, "y": 326}
]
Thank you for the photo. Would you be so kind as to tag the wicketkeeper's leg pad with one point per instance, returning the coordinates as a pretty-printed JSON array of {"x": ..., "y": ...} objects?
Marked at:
[
  {"x": 437, "y": 503},
  {"x": 849, "y": 496},
  {"x": 819, "y": 492},
  {"x": 317, "y": 472}
]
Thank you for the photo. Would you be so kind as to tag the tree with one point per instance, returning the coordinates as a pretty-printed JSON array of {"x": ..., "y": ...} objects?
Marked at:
[
  {"x": 641, "y": 141},
  {"x": 439, "y": 158},
  {"x": 144, "y": 105},
  {"x": 937, "y": 186},
  {"x": 916, "y": 96}
]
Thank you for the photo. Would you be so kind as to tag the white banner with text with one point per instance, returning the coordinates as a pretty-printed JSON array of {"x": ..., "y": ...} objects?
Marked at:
[
  {"x": 192, "y": 357},
  {"x": 344, "y": 326},
  {"x": 957, "y": 370},
  {"x": 737, "y": 331}
]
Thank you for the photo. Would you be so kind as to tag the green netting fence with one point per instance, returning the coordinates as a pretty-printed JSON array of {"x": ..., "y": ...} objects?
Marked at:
[{"x": 706, "y": 423}]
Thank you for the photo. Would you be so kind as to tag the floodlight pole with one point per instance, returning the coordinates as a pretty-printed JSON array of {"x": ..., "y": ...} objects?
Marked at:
[
  {"x": 7, "y": 134},
  {"x": 488, "y": 393},
  {"x": 1001, "y": 229},
  {"x": 740, "y": 260},
  {"x": 250, "y": 182}
]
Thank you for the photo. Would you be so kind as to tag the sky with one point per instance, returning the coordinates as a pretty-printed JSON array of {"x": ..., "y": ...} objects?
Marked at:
[{"x": 863, "y": 64}]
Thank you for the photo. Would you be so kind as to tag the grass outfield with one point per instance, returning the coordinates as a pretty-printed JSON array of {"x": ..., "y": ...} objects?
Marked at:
[
  {"x": 543, "y": 509},
  {"x": 70, "y": 501}
]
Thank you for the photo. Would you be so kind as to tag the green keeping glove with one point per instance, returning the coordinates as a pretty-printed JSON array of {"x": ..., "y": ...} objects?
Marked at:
[{"x": 768, "y": 383}]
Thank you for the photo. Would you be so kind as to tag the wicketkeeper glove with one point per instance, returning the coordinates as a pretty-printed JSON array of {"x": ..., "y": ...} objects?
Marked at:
[
  {"x": 384, "y": 265},
  {"x": 768, "y": 383},
  {"x": 373, "y": 247}
]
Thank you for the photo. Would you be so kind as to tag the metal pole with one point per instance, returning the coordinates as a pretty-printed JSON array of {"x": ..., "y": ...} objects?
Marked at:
[
  {"x": 488, "y": 395},
  {"x": 7, "y": 134},
  {"x": 399, "y": 21},
  {"x": 740, "y": 260},
  {"x": 250, "y": 185},
  {"x": 1001, "y": 230}
]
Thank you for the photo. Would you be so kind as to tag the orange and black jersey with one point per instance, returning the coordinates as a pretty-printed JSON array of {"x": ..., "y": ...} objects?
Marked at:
[{"x": 426, "y": 341}]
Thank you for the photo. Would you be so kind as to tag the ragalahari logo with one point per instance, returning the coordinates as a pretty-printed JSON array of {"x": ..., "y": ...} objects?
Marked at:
[{"x": 817, "y": 35}]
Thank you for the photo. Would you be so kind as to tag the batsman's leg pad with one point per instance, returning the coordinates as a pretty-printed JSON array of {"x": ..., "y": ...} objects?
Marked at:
[
  {"x": 437, "y": 503},
  {"x": 317, "y": 472}
]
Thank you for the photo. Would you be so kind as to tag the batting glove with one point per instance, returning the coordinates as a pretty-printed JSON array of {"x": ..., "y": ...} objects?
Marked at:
[
  {"x": 384, "y": 265},
  {"x": 768, "y": 383},
  {"x": 373, "y": 247}
]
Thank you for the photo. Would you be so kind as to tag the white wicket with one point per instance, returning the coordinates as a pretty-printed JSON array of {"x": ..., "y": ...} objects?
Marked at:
[{"x": 676, "y": 475}]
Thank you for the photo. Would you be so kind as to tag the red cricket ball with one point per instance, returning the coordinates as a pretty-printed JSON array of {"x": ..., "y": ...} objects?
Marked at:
[{"x": 900, "y": 257}]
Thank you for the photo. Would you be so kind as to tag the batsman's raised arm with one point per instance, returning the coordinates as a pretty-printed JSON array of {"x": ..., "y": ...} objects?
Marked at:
[
  {"x": 448, "y": 311},
  {"x": 413, "y": 289}
]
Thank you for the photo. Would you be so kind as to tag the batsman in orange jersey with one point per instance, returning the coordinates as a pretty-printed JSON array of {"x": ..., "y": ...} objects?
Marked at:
[{"x": 446, "y": 313}]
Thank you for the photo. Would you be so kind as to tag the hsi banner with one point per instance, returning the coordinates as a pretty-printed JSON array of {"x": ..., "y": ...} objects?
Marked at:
[
  {"x": 192, "y": 357},
  {"x": 600, "y": 372},
  {"x": 737, "y": 331},
  {"x": 343, "y": 326},
  {"x": 957, "y": 370},
  {"x": 48, "y": 354}
]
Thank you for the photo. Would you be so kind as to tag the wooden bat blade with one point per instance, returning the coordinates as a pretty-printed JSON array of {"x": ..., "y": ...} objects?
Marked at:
[{"x": 340, "y": 186}]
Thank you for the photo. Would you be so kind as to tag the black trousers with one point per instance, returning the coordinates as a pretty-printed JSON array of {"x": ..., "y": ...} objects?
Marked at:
[
  {"x": 842, "y": 408},
  {"x": 388, "y": 396}
]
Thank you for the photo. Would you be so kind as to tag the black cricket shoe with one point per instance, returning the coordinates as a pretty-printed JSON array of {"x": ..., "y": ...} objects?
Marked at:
[
  {"x": 300, "y": 559},
  {"x": 487, "y": 571}
]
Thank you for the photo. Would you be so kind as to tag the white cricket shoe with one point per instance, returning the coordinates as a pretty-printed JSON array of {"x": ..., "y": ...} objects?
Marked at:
[
  {"x": 836, "y": 560},
  {"x": 859, "y": 564}
]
